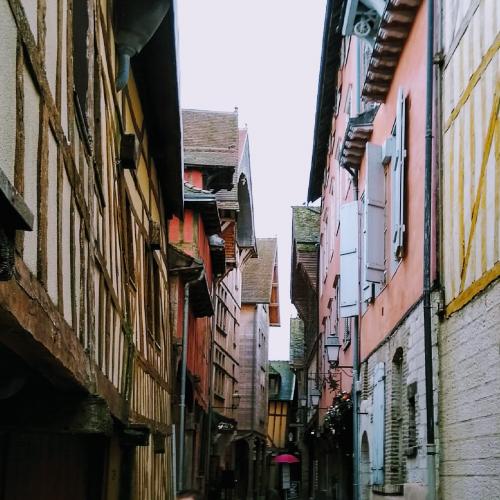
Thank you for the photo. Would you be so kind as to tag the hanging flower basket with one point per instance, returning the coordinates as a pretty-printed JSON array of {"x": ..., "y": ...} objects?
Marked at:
[{"x": 338, "y": 418}]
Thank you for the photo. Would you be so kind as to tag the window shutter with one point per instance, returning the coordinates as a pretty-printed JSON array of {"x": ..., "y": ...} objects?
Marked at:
[
  {"x": 397, "y": 178},
  {"x": 349, "y": 278},
  {"x": 378, "y": 424},
  {"x": 374, "y": 216}
]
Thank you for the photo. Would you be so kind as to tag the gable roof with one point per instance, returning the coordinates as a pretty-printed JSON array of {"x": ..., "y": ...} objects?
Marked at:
[
  {"x": 257, "y": 277},
  {"x": 210, "y": 138},
  {"x": 228, "y": 198},
  {"x": 287, "y": 380}
]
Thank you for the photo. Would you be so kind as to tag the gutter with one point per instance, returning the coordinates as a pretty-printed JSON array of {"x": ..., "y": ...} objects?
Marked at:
[
  {"x": 429, "y": 386},
  {"x": 182, "y": 404}
]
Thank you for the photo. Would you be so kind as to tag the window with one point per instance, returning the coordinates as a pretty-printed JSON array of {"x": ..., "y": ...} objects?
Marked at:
[
  {"x": 338, "y": 97},
  {"x": 411, "y": 450},
  {"x": 398, "y": 180},
  {"x": 152, "y": 297},
  {"x": 348, "y": 103},
  {"x": 129, "y": 243},
  {"x": 80, "y": 57},
  {"x": 220, "y": 374},
  {"x": 349, "y": 272}
]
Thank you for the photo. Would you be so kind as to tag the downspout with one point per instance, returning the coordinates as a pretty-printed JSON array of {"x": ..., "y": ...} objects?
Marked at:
[
  {"x": 355, "y": 363},
  {"x": 429, "y": 386},
  {"x": 182, "y": 404}
]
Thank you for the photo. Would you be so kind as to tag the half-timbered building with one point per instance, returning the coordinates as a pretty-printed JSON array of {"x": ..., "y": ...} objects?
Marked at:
[
  {"x": 469, "y": 412},
  {"x": 90, "y": 172}
]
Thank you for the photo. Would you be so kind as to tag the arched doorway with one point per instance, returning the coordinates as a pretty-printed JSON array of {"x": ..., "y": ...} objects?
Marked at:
[{"x": 365, "y": 469}]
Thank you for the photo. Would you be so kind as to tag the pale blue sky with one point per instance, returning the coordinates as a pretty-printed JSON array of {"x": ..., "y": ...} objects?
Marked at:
[{"x": 263, "y": 57}]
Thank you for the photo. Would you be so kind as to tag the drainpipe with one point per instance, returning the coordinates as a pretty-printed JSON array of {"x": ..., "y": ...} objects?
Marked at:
[
  {"x": 182, "y": 404},
  {"x": 429, "y": 386},
  {"x": 355, "y": 363}
]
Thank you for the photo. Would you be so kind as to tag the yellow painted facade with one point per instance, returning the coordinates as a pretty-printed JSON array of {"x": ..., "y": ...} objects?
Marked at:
[
  {"x": 277, "y": 424},
  {"x": 470, "y": 150},
  {"x": 87, "y": 263}
]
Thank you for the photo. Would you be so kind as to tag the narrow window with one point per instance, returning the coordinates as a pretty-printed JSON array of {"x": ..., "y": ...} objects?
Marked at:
[
  {"x": 80, "y": 56},
  {"x": 152, "y": 297},
  {"x": 411, "y": 450}
]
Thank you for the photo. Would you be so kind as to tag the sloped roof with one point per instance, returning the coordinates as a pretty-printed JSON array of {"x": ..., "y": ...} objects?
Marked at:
[
  {"x": 258, "y": 273},
  {"x": 210, "y": 138},
  {"x": 325, "y": 101},
  {"x": 287, "y": 380},
  {"x": 157, "y": 81},
  {"x": 205, "y": 202},
  {"x": 296, "y": 341},
  {"x": 306, "y": 224},
  {"x": 229, "y": 198}
]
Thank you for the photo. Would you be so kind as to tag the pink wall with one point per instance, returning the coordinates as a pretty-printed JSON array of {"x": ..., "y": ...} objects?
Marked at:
[{"x": 405, "y": 287}]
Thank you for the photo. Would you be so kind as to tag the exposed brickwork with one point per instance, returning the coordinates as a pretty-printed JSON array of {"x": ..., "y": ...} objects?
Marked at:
[
  {"x": 404, "y": 357},
  {"x": 470, "y": 400}
]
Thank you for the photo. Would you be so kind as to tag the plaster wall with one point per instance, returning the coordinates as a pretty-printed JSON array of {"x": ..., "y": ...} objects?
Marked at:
[
  {"x": 8, "y": 42},
  {"x": 470, "y": 399},
  {"x": 403, "y": 288}
]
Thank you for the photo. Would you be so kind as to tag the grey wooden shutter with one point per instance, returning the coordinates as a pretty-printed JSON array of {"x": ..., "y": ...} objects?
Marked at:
[
  {"x": 349, "y": 279},
  {"x": 374, "y": 216},
  {"x": 397, "y": 178},
  {"x": 378, "y": 409}
]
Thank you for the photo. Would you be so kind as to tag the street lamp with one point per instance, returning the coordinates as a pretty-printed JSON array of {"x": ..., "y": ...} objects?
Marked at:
[
  {"x": 315, "y": 395},
  {"x": 332, "y": 348}
]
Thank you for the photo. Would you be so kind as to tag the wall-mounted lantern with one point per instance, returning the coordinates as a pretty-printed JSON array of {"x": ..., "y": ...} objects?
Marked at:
[
  {"x": 332, "y": 348},
  {"x": 315, "y": 394}
]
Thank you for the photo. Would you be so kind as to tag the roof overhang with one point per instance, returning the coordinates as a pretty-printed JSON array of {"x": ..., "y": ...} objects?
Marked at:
[
  {"x": 182, "y": 264},
  {"x": 358, "y": 133},
  {"x": 395, "y": 25},
  {"x": 329, "y": 66},
  {"x": 155, "y": 71},
  {"x": 216, "y": 177},
  {"x": 205, "y": 203}
]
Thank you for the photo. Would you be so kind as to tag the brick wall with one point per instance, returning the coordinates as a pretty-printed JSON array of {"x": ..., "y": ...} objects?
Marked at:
[{"x": 470, "y": 399}]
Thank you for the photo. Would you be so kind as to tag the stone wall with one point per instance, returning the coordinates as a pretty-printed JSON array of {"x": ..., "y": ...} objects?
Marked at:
[
  {"x": 405, "y": 461},
  {"x": 470, "y": 399}
]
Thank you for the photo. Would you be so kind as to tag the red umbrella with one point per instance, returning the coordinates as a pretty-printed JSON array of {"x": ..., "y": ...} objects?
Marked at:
[{"x": 286, "y": 458}]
